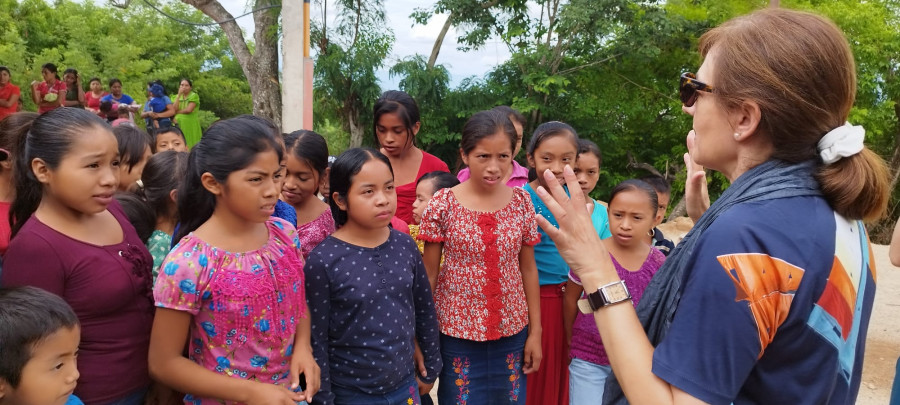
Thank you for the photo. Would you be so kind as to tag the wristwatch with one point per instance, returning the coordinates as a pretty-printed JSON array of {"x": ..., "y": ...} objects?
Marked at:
[{"x": 610, "y": 294}]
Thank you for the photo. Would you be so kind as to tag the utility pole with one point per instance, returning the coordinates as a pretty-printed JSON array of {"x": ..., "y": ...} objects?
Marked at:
[{"x": 297, "y": 67}]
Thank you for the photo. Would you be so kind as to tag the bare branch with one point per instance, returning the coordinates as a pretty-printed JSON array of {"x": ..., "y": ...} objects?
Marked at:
[{"x": 213, "y": 9}]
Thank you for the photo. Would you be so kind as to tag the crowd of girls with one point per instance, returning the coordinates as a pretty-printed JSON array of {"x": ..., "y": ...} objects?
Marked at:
[{"x": 225, "y": 275}]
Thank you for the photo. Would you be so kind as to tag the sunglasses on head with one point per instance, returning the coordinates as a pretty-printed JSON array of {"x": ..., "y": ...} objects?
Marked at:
[{"x": 690, "y": 87}]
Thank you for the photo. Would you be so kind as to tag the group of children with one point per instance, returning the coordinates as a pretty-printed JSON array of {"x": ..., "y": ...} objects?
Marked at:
[{"x": 185, "y": 268}]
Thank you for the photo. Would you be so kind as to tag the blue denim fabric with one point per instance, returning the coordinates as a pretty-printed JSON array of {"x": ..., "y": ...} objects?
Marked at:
[
  {"x": 401, "y": 396},
  {"x": 482, "y": 372},
  {"x": 586, "y": 382}
]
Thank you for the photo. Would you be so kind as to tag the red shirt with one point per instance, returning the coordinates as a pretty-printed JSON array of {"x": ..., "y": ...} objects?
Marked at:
[
  {"x": 44, "y": 89},
  {"x": 6, "y": 92},
  {"x": 109, "y": 287},
  {"x": 406, "y": 194},
  {"x": 92, "y": 102}
]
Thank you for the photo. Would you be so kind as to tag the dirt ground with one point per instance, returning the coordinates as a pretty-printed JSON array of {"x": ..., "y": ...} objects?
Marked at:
[{"x": 883, "y": 342}]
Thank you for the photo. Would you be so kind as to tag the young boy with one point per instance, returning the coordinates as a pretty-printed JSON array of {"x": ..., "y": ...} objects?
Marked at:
[
  {"x": 663, "y": 191},
  {"x": 169, "y": 138},
  {"x": 39, "y": 337}
]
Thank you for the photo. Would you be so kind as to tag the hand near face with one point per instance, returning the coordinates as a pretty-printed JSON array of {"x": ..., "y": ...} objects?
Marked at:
[{"x": 696, "y": 193}]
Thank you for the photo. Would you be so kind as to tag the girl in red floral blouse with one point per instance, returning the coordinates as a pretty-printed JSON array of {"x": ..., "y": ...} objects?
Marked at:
[{"x": 486, "y": 291}]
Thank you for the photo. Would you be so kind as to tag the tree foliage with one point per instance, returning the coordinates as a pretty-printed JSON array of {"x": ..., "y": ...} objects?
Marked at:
[{"x": 134, "y": 45}]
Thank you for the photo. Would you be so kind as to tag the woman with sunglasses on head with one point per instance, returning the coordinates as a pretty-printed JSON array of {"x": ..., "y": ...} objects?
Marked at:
[{"x": 747, "y": 309}]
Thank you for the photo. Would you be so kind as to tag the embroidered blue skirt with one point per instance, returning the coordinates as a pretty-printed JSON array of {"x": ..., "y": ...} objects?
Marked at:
[{"x": 477, "y": 373}]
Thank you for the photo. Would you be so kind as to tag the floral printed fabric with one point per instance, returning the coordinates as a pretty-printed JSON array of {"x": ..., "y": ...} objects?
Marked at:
[
  {"x": 244, "y": 305},
  {"x": 159, "y": 245},
  {"x": 479, "y": 294},
  {"x": 314, "y": 232}
]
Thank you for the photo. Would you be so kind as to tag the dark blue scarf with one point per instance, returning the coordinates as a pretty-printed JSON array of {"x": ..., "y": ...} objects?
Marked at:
[{"x": 771, "y": 180}]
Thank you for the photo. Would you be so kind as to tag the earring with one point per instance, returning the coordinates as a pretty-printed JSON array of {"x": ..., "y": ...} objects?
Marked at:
[{"x": 737, "y": 135}]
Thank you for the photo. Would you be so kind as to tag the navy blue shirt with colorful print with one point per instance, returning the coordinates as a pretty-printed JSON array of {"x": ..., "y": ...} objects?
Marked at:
[
  {"x": 774, "y": 309},
  {"x": 366, "y": 307}
]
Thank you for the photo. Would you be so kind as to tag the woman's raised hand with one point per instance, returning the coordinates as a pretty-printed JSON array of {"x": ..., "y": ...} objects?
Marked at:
[
  {"x": 696, "y": 193},
  {"x": 576, "y": 239}
]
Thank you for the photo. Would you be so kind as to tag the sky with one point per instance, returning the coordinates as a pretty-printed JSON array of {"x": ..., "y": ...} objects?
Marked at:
[{"x": 410, "y": 40}]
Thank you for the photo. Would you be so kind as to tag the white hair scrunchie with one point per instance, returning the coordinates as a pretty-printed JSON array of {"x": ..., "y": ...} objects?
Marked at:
[{"x": 843, "y": 141}]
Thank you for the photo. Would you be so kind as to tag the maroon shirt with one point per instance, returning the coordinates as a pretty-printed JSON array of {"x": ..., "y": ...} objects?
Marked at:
[{"x": 110, "y": 290}]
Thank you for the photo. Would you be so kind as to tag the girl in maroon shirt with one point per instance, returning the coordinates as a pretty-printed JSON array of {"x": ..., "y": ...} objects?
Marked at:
[{"x": 70, "y": 238}]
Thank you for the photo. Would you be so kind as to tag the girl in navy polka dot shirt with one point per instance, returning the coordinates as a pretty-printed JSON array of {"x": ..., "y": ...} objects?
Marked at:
[{"x": 368, "y": 293}]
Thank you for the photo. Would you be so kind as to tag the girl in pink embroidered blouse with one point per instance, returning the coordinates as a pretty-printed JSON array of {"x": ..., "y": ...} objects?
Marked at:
[
  {"x": 307, "y": 165},
  {"x": 486, "y": 291},
  {"x": 234, "y": 283}
]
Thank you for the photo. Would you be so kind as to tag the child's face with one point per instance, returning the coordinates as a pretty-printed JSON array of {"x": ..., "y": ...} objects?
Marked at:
[
  {"x": 251, "y": 193},
  {"x": 490, "y": 160},
  {"x": 301, "y": 181},
  {"x": 393, "y": 135},
  {"x": 50, "y": 376},
  {"x": 96, "y": 86},
  {"x": 661, "y": 207},
  {"x": 630, "y": 217},
  {"x": 371, "y": 200},
  {"x": 87, "y": 175},
  {"x": 587, "y": 170},
  {"x": 129, "y": 175},
  {"x": 424, "y": 192},
  {"x": 170, "y": 141},
  {"x": 553, "y": 153}
]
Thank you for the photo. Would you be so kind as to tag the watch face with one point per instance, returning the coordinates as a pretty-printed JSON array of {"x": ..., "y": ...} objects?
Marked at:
[{"x": 615, "y": 293}]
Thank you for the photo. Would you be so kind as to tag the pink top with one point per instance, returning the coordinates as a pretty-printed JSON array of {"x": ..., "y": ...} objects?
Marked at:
[
  {"x": 44, "y": 89},
  {"x": 518, "y": 178},
  {"x": 4, "y": 226},
  {"x": 244, "y": 305},
  {"x": 586, "y": 343},
  {"x": 314, "y": 232},
  {"x": 480, "y": 295},
  {"x": 406, "y": 194}
]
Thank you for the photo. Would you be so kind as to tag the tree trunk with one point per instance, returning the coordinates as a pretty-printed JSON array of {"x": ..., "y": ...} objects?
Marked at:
[
  {"x": 436, "y": 49},
  {"x": 261, "y": 67},
  {"x": 356, "y": 131}
]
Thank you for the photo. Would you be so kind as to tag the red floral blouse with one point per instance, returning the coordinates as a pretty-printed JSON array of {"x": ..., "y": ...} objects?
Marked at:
[{"x": 479, "y": 294}]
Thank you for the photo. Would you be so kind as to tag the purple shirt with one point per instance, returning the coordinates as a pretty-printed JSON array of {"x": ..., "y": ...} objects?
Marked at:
[
  {"x": 109, "y": 288},
  {"x": 586, "y": 343},
  {"x": 518, "y": 178}
]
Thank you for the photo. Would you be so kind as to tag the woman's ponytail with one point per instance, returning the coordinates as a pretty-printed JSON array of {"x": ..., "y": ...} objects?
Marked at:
[{"x": 857, "y": 186}]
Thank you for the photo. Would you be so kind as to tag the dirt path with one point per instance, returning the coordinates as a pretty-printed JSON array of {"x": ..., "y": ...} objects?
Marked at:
[{"x": 883, "y": 343}]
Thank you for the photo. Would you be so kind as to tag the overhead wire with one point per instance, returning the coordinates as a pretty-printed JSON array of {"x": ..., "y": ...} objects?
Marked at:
[{"x": 171, "y": 17}]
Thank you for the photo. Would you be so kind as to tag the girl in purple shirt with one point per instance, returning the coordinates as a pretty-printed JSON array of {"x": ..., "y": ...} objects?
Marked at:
[
  {"x": 70, "y": 238},
  {"x": 632, "y": 210}
]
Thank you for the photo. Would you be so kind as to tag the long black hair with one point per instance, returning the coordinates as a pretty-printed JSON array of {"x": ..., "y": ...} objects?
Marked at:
[
  {"x": 50, "y": 137},
  {"x": 228, "y": 146},
  {"x": 309, "y": 147},
  {"x": 344, "y": 168},
  {"x": 161, "y": 175},
  {"x": 548, "y": 130},
  {"x": 402, "y": 104},
  {"x": 637, "y": 185}
]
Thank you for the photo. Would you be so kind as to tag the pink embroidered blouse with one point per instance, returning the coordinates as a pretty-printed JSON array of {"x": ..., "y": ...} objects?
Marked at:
[
  {"x": 314, "y": 232},
  {"x": 480, "y": 295},
  {"x": 244, "y": 305}
]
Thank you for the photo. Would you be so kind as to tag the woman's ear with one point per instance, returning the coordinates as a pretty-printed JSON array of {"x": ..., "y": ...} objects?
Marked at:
[
  {"x": 211, "y": 184},
  {"x": 416, "y": 127},
  {"x": 41, "y": 170},
  {"x": 324, "y": 176},
  {"x": 173, "y": 195},
  {"x": 339, "y": 201},
  {"x": 530, "y": 160},
  {"x": 745, "y": 120}
]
